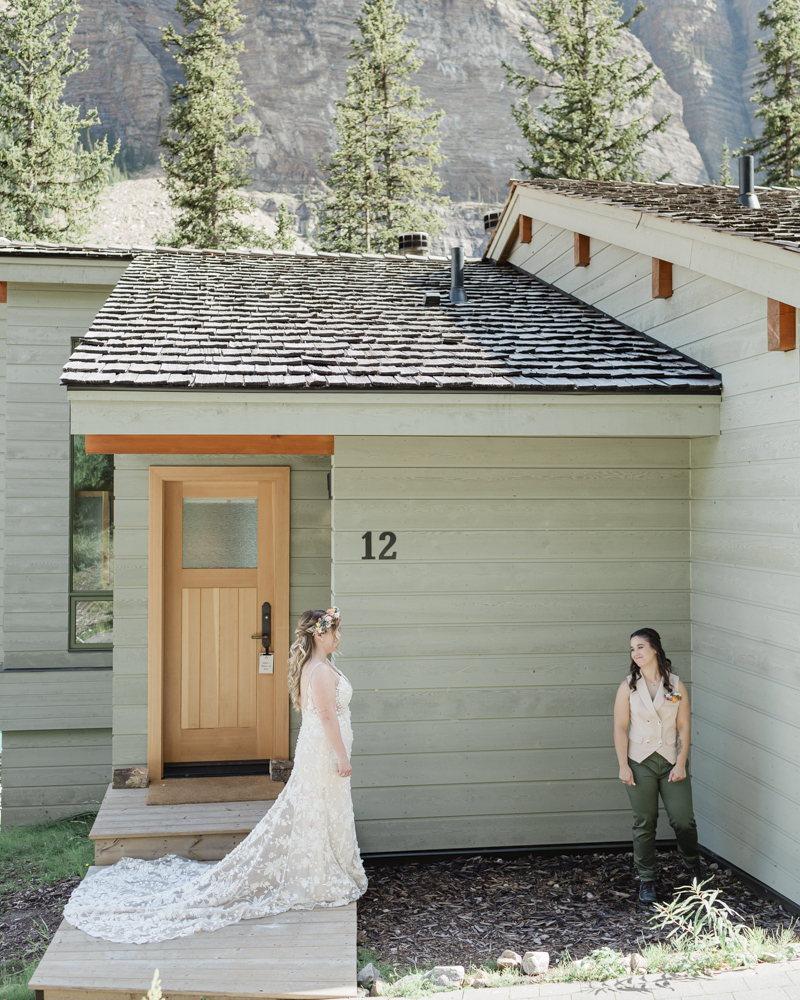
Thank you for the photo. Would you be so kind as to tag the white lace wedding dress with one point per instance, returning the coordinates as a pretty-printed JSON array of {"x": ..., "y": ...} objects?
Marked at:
[{"x": 302, "y": 854}]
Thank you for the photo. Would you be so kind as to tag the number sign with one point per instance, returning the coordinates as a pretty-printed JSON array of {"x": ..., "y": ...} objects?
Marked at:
[{"x": 385, "y": 536}]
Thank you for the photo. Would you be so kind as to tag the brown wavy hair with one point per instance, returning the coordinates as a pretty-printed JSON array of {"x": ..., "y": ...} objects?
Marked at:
[
  {"x": 301, "y": 650},
  {"x": 664, "y": 664}
]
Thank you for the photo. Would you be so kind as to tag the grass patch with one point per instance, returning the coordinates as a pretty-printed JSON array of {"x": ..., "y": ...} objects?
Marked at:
[
  {"x": 35, "y": 855},
  {"x": 31, "y": 857},
  {"x": 13, "y": 983}
]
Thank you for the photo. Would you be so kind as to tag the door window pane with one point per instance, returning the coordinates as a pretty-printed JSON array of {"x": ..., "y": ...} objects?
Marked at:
[
  {"x": 94, "y": 622},
  {"x": 219, "y": 533}
]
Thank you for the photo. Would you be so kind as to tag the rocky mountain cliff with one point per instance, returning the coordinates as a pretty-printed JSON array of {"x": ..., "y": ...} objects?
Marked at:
[
  {"x": 296, "y": 61},
  {"x": 706, "y": 52}
]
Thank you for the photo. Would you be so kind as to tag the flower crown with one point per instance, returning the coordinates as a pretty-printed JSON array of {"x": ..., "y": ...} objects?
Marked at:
[{"x": 331, "y": 619}]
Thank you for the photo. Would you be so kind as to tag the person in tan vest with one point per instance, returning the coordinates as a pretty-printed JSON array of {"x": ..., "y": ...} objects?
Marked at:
[{"x": 652, "y": 728}]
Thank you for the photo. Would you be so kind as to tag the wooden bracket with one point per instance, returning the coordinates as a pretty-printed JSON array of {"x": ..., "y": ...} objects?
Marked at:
[
  {"x": 3, "y": 292},
  {"x": 525, "y": 229},
  {"x": 582, "y": 252},
  {"x": 781, "y": 326},
  {"x": 662, "y": 279}
]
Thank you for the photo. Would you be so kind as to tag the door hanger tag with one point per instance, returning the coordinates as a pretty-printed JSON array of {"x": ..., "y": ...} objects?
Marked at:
[{"x": 265, "y": 661}]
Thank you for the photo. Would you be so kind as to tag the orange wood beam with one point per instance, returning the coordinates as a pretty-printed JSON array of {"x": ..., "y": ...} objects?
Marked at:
[
  {"x": 525, "y": 229},
  {"x": 581, "y": 251},
  {"x": 662, "y": 279},
  {"x": 3, "y": 291},
  {"x": 781, "y": 326},
  {"x": 209, "y": 444}
]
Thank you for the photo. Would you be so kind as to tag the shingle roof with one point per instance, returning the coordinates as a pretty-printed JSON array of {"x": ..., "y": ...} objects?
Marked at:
[
  {"x": 18, "y": 248},
  {"x": 707, "y": 205},
  {"x": 297, "y": 321}
]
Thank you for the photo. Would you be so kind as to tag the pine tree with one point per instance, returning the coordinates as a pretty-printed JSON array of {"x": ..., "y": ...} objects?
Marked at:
[
  {"x": 382, "y": 173},
  {"x": 205, "y": 167},
  {"x": 284, "y": 238},
  {"x": 725, "y": 176},
  {"x": 777, "y": 151},
  {"x": 49, "y": 184},
  {"x": 588, "y": 130}
]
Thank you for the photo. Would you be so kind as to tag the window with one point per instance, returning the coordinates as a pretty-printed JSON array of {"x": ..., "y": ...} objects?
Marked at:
[{"x": 91, "y": 549}]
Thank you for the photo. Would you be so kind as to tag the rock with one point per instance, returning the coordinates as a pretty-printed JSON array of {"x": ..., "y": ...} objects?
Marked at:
[
  {"x": 280, "y": 770},
  {"x": 534, "y": 963},
  {"x": 480, "y": 979},
  {"x": 378, "y": 988},
  {"x": 405, "y": 981},
  {"x": 636, "y": 963},
  {"x": 367, "y": 975},
  {"x": 130, "y": 777},
  {"x": 509, "y": 960},
  {"x": 590, "y": 895},
  {"x": 770, "y": 956},
  {"x": 445, "y": 975}
]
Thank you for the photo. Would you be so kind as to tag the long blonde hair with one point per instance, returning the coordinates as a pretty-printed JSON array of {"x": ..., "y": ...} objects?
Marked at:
[{"x": 301, "y": 651}]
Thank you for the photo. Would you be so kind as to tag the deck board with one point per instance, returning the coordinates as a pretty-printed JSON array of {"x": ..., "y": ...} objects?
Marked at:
[
  {"x": 124, "y": 812},
  {"x": 202, "y": 831},
  {"x": 297, "y": 955}
]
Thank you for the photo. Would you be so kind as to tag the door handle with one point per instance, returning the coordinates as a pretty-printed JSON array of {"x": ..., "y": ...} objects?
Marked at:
[{"x": 266, "y": 626}]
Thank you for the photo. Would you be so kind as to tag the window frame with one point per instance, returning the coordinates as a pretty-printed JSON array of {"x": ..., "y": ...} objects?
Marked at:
[{"x": 73, "y": 646}]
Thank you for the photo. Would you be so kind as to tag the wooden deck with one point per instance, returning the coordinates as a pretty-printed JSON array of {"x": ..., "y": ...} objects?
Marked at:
[
  {"x": 303, "y": 954},
  {"x": 126, "y": 827}
]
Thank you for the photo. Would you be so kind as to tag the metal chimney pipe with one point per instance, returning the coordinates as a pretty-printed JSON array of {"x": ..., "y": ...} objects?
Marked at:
[
  {"x": 457, "y": 293},
  {"x": 747, "y": 182}
]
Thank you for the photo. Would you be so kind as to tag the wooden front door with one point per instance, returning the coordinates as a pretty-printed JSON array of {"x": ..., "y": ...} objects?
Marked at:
[{"x": 224, "y": 543}]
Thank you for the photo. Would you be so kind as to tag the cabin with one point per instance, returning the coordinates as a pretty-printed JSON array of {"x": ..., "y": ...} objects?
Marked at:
[{"x": 497, "y": 468}]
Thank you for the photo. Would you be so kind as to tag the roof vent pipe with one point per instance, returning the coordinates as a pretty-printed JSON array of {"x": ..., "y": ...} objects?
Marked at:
[
  {"x": 457, "y": 293},
  {"x": 747, "y": 183}
]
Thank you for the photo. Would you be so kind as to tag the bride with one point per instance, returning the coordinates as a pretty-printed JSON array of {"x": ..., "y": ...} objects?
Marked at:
[{"x": 302, "y": 854}]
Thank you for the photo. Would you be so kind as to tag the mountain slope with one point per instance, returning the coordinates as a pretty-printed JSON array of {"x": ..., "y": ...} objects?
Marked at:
[{"x": 294, "y": 69}]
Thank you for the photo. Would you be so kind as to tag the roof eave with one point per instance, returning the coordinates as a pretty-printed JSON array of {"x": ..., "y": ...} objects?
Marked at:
[{"x": 754, "y": 265}]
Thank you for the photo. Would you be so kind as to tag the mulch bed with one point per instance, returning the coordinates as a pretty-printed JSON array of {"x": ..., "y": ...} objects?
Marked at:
[
  {"x": 28, "y": 919},
  {"x": 467, "y": 910}
]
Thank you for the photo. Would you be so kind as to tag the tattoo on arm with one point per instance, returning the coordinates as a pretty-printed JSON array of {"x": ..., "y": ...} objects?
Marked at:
[{"x": 679, "y": 744}]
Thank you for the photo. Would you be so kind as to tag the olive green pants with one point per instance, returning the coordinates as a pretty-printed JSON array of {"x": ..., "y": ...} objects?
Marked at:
[{"x": 651, "y": 779}]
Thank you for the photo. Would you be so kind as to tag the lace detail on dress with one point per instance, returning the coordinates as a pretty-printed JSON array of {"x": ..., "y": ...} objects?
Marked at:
[{"x": 302, "y": 854}]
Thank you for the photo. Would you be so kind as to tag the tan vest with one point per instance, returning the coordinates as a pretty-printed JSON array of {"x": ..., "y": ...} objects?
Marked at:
[{"x": 653, "y": 723}]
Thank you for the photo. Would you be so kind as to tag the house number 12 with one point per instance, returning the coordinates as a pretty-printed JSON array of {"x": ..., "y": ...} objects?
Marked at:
[{"x": 386, "y": 536}]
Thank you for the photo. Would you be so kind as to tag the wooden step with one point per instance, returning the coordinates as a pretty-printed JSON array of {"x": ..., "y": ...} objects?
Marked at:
[
  {"x": 302, "y": 954},
  {"x": 126, "y": 827}
]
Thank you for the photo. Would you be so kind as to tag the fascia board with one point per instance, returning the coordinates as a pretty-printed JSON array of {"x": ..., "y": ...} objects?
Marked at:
[
  {"x": 758, "y": 267},
  {"x": 388, "y": 414},
  {"x": 62, "y": 271}
]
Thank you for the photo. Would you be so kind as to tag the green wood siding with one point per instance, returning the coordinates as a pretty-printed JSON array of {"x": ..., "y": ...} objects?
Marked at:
[
  {"x": 54, "y": 699},
  {"x": 486, "y": 655},
  {"x": 310, "y": 573},
  {"x": 745, "y": 510},
  {"x": 3, "y": 335},
  {"x": 50, "y": 774},
  {"x": 42, "y": 319}
]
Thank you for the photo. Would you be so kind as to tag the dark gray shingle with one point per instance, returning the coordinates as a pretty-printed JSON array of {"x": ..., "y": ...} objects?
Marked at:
[{"x": 321, "y": 322}]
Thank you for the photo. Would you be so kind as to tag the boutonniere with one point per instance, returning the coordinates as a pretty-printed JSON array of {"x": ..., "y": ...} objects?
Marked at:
[{"x": 673, "y": 696}]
